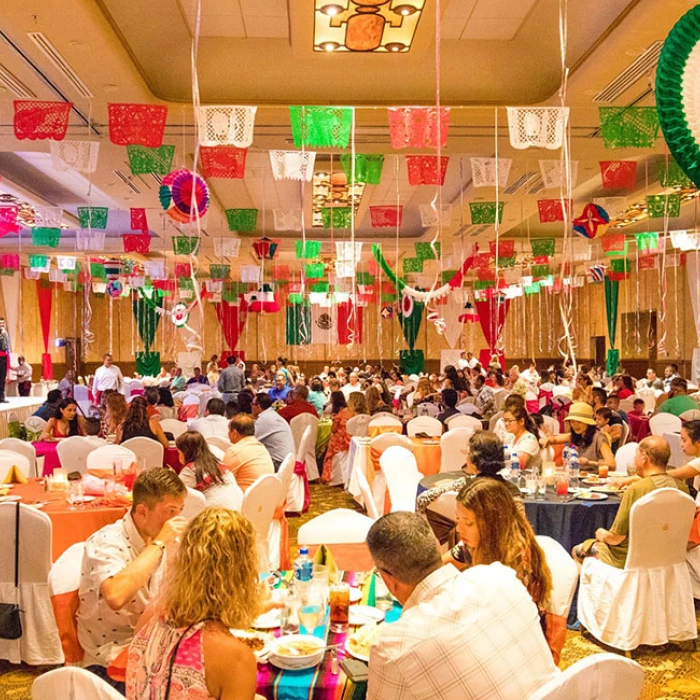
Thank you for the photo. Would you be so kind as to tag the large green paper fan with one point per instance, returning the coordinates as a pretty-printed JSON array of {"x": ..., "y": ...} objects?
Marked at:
[{"x": 678, "y": 92}]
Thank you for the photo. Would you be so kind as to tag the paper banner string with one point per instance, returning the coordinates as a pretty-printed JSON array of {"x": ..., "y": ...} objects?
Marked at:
[
  {"x": 664, "y": 206},
  {"x": 137, "y": 124},
  {"x": 336, "y": 217},
  {"x": 226, "y": 162},
  {"x": 136, "y": 242},
  {"x": 485, "y": 212},
  {"x": 386, "y": 216},
  {"x": 8, "y": 220},
  {"x": 538, "y": 127},
  {"x": 424, "y": 170},
  {"x": 75, "y": 155},
  {"x": 292, "y": 165},
  {"x": 138, "y": 220},
  {"x": 618, "y": 174},
  {"x": 93, "y": 217},
  {"x": 418, "y": 127},
  {"x": 321, "y": 127},
  {"x": 367, "y": 167},
  {"x": 42, "y": 236},
  {"x": 242, "y": 220},
  {"x": 156, "y": 161},
  {"x": 629, "y": 127},
  {"x": 40, "y": 119}
]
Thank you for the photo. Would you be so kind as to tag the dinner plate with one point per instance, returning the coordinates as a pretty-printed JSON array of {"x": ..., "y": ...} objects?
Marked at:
[
  {"x": 349, "y": 649},
  {"x": 592, "y": 496},
  {"x": 362, "y": 614},
  {"x": 594, "y": 482},
  {"x": 355, "y": 595},
  {"x": 10, "y": 499},
  {"x": 269, "y": 620},
  {"x": 84, "y": 499}
]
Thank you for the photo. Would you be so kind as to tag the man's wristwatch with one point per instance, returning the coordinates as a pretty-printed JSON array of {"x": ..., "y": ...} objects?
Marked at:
[{"x": 160, "y": 544}]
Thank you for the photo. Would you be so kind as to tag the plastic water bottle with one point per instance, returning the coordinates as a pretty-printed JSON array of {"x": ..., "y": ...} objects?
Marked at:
[
  {"x": 303, "y": 569},
  {"x": 574, "y": 467},
  {"x": 566, "y": 456},
  {"x": 515, "y": 468}
]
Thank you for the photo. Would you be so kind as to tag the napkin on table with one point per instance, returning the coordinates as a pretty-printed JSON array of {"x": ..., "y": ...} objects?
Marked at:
[{"x": 14, "y": 476}]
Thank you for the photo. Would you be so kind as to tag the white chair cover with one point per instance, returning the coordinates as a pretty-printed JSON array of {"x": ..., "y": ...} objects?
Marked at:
[
  {"x": 365, "y": 490},
  {"x": 462, "y": 421},
  {"x": 384, "y": 419},
  {"x": 499, "y": 398},
  {"x": 467, "y": 407},
  {"x": 299, "y": 424},
  {"x": 384, "y": 440},
  {"x": 64, "y": 575},
  {"x": 649, "y": 397},
  {"x": 625, "y": 433},
  {"x": 444, "y": 505},
  {"x": 23, "y": 448},
  {"x": 39, "y": 643},
  {"x": 195, "y": 503},
  {"x": 82, "y": 398},
  {"x": 693, "y": 414},
  {"x": 171, "y": 425},
  {"x": 9, "y": 459},
  {"x": 284, "y": 474},
  {"x": 650, "y": 601},
  {"x": 259, "y": 503},
  {"x": 627, "y": 404},
  {"x": 678, "y": 457},
  {"x": 35, "y": 425},
  {"x": 402, "y": 477},
  {"x": 665, "y": 423},
  {"x": 427, "y": 409},
  {"x": 218, "y": 441},
  {"x": 109, "y": 455},
  {"x": 624, "y": 458},
  {"x": 564, "y": 575},
  {"x": 357, "y": 425},
  {"x": 692, "y": 559},
  {"x": 552, "y": 424},
  {"x": 454, "y": 449},
  {"x": 73, "y": 453},
  {"x": 73, "y": 683},
  {"x": 147, "y": 449},
  {"x": 424, "y": 424},
  {"x": 597, "y": 677}
]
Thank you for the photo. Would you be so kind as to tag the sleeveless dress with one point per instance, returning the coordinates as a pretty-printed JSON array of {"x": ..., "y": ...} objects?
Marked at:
[{"x": 149, "y": 663}]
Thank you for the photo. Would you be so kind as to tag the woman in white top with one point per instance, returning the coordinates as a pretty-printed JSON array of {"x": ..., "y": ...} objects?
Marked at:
[
  {"x": 525, "y": 436},
  {"x": 202, "y": 472}
]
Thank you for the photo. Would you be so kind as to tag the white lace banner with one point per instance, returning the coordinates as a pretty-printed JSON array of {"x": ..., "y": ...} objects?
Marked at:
[
  {"x": 49, "y": 217},
  {"x": 538, "y": 127},
  {"x": 250, "y": 273},
  {"x": 226, "y": 125},
  {"x": 292, "y": 165},
  {"x": 347, "y": 251},
  {"x": 227, "y": 247},
  {"x": 89, "y": 240},
  {"x": 155, "y": 269},
  {"x": 65, "y": 262},
  {"x": 432, "y": 217},
  {"x": 287, "y": 219},
  {"x": 484, "y": 171},
  {"x": 554, "y": 173},
  {"x": 75, "y": 155}
]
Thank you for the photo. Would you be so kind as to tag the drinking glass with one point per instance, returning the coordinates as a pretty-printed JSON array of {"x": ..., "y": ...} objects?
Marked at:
[
  {"x": 75, "y": 495},
  {"x": 541, "y": 488},
  {"x": 340, "y": 606},
  {"x": 562, "y": 484},
  {"x": 603, "y": 471},
  {"x": 312, "y": 610},
  {"x": 383, "y": 600},
  {"x": 289, "y": 614},
  {"x": 531, "y": 484}
]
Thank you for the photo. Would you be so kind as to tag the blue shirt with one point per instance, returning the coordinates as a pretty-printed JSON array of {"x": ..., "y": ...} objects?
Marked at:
[
  {"x": 279, "y": 394},
  {"x": 318, "y": 400},
  {"x": 274, "y": 432}
]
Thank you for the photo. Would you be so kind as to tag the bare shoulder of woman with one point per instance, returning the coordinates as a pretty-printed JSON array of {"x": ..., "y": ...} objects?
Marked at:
[{"x": 231, "y": 668}]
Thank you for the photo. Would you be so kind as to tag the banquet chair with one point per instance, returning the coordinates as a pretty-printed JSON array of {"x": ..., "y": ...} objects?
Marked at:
[
  {"x": 180, "y": 396},
  {"x": 72, "y": 683},
  {"x": 218, "y": 453},
  {"x": 379, "y": 443},
  {"x": 692, "y": 414},
  {"x": 285, "y": 473},
  {"x": 650, "y": 601},
  {"x": 189, "y": 408},
  {"x": 109, "y": 455},
  {"x": 134, "y": 388},
  {"x": 299, "y": 481},
  {"x": 627, "y": 404},
  {"x": 73, "y": 453},
  {"x": 82, "y": 398},
  {"x": 624, "y": 458},
  {"x": 151, "y": 451},
  {"x": 648, "y": 395},
  {"x": 259, "y": 503},
  {"x": 424, "y": 424},
  {"x": 596, "y": 677},
  {"x": 678, "y": 457},
  {"x": 427, "y": 409},
  {"x": 357, "y": 426},
  {"x": 278, "y": 538},
  {"x": 409, "y": 399},
  {"x": 23, "y": 448},
  {"x": 561, "y": 391},
  {"x": 218, "y": 441},
  {"x": 564, "y": 581},
  {"x": 692, "y": 560},
  {"x": 494, "y": 419},
  {"x": 552, "y": 424},
  {"x": 462, "y": 421},
  {"x": 9, "y": 459},
  {"x": 34, "y": 427},
  {"x": 366, "y": 492},
  {"x": 454, "y": 448},
  {"x": 499, "y": 398},
  {"x": 625, "y": 434},
  {"x": 173, "y": 426},
  {"x": 64, "y": 584},
  {"x": 468, "y": 408},
  {"x": 384, "y": 420},
  {"x": 195, "y": 503},
  {"x": 299, "y": 424},
  {"x": 402, "y": 476},
  {"x": 665, "y": 423},
  {"x": 39, "y": 643}
]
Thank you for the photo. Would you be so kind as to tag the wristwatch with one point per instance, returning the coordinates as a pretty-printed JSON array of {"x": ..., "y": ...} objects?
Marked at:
[{"x": 160, "y": 544}]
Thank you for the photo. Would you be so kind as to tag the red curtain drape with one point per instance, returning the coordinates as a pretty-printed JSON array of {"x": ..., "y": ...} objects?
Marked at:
[
  {"x": 232, "y": 318},
  {"x": 348, "y": 326},
  {"x": 492, "y": 316},
  {"x": 44, "y": 291}
]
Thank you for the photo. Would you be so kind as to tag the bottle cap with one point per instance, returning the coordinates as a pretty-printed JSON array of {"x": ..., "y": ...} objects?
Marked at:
[{"x": 303, "y": 550}]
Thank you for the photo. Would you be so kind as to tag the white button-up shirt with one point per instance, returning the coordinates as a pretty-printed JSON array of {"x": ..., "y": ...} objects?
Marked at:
[
  {"x": 103, "y": 632},
  {"x": 209, "y": 426},
  {"x": 462, "y": 636},
  {"x": 107, "y": 378}
]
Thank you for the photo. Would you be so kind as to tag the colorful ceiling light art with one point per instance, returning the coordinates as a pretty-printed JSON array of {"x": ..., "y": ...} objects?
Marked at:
[{"x": 380, "y": 26}]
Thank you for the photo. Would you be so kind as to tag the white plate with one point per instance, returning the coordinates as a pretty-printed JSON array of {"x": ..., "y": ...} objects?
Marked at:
[
  {"x": 592, "y": 482},
  {"x": 362, "y": 614},
  {"x": 355, "y": 595},
  {"x": 266, "y": 637},
  {"x": 84, "y": 499},
  {"x": 269, "y": 620},
  {"x": 348, "y": 648},
  {"x": 10, "y": 499},
  {"x": 591, "y": 496}
]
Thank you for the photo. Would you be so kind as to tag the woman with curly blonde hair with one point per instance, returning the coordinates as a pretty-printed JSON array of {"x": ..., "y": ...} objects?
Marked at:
[{"x": 185, "y": 651}]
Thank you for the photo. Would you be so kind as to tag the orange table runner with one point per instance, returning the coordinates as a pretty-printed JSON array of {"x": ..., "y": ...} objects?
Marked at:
[{"x": 69, "y": 526}]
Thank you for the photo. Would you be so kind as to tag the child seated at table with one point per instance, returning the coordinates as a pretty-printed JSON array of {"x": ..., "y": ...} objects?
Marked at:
[{"x": 93, "y": 426}]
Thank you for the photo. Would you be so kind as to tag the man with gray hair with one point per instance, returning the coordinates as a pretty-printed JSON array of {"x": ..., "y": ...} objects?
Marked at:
[
  {"x": 439, "y": 649},
  {"x": 352, "y": 386}
]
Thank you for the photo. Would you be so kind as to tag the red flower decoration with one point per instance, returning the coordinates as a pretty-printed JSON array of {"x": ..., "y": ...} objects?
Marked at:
[
  {"x": 424, "y": 170},
  {"x": 223, "y": 161},
  {"x": 138, "y": 124},
  {"x": 386, "y": 216},
  {"x": 39, "y": 119}
]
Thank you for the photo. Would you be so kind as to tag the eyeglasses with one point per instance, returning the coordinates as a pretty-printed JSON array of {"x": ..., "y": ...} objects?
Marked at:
[{"x": 510, "y": 420}]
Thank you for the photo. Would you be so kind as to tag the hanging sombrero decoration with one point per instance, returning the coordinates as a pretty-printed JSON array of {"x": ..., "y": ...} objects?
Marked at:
[
  {"x": 593, "y": 222},
  {"x": 262, "y": 299},
  {"x": 407, "y": 306},
  {"x": 179, "y": 315},
  {"x": 678, "y": 92},
  {"x": 184, "y": 195}
]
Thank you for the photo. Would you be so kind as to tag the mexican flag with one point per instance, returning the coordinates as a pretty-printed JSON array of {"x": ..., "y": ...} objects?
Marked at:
[{"x": 298, "y": 324}]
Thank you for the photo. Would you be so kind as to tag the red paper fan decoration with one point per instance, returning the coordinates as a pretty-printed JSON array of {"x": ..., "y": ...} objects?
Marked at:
[
  {"x": 137, "y": 124},
  {"x": 424, "y": 170},
  {"x": 551, "y": 210},
  {"x": 136, "y": 242},
  {"x": 386, "y": 216},
  {"x": 39, "y": 119},
  {"x": 618, "y": 174},
  {"x": 223, "y": 161},
  {"x": 139, "y": 222}
]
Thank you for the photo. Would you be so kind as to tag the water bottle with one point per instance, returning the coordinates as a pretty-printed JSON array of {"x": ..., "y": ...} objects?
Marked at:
[
  {"x": 303, "y": 570},
  {"x": 574, "y": 468},
  {"x": 566, "y": 456},
  {"x": 515, "y": 468}
]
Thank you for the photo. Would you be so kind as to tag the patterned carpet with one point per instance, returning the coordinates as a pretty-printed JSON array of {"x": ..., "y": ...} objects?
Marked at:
[{"x": 671, "y": 673}]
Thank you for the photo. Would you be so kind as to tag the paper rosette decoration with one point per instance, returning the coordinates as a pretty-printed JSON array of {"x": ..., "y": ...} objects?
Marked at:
[
  {"x": 139, "y": 124},
  {"x": 593, "y": 221},
  {"x": 179, "y": 315},
  {"x": 39, "y": 119},
  {"x": 184, "y": 196},
  {"x": 114, "y": 289}
]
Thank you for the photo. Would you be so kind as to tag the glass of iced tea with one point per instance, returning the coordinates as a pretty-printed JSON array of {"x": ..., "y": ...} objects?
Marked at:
[
  {"x": 603, "y": 471},
  {"x": 340, "y": 606}
]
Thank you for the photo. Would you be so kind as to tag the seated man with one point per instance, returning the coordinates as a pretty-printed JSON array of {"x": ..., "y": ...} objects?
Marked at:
[
  {"x": 650, "y": 461},
  {"x": 676, "y": 401},
  {"x": 272, "y": 430},
  {"x": 300, "y": 404},
  {"x": 197, "y": 377},
  {"x": 213, "y": 422},
  {"x": 460, "y": 635},
  {"x": 122, "y": 567},
  {"x": 247, "y": 458},
  {"x": 280, "y": 390},
  {"x": 448, "y": 399},
  {"x": 484, "y": 401},
  {"x": 47, "y": 410}
]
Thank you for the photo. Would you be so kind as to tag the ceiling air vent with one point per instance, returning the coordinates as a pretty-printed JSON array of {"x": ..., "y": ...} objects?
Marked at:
[
  {"x": 126, "y": 179},
  {"x": 526, "y": 180},
  {"x": 60, "y": 63},
  {"x": 14, "y": 85},
  {"x": 641, "y": 67}
]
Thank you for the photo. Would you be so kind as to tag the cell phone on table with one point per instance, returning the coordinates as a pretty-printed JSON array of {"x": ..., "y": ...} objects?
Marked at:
[
  {"x": 356, "y": 671},
  {"x": 423, "y": 436}
]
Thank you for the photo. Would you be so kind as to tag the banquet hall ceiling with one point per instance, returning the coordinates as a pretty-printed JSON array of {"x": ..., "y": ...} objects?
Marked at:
[{"x": 260, "y": 52}]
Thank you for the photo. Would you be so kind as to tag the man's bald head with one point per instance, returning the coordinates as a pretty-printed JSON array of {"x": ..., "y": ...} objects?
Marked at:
[{"x": 652, "y": 453}]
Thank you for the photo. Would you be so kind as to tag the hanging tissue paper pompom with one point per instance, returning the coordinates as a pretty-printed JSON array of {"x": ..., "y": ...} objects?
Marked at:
[
  {"x": 184, "y": 196},
  {"x": 114, "y": 289},
  {"x": 593, "y": 222}
]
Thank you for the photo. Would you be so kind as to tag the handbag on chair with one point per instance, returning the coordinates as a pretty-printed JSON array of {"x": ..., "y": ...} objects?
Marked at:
[{"x": 10, "y": 622}]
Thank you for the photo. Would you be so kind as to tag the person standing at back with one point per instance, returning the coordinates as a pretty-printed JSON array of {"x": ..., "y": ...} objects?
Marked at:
[
  {"x": 107, "y": 376},
  {"x": 231, "y": 381}
]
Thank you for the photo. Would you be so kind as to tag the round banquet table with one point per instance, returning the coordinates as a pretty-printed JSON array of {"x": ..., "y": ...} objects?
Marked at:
[{"x": 68, "y": 526}]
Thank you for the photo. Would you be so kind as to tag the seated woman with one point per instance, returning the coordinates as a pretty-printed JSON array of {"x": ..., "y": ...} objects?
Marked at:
[
  {"x": 185, "y": 650},
  {"x": 65, "y": 423},
  {"x": 166, "y": 404},
  {"x": 424, "y": 392},
  {"x": 592, "y": 445},
  {"x": 152, "y": 397},
  {"x": 526, "y": 437},
  {"x": 583, "y": 389},
  {"x": 375, "y": 402},
  {"x": 202, "y": 472},
  {"x": 114, "y": 412},
  {"x": 138, "y": 424},
  {"x": 341, "y": 412}
]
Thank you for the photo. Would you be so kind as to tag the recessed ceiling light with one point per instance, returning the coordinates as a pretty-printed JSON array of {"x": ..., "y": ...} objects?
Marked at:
[
  {"x": 110, "y": 87},
  {"x": 405, "y": 10},
  {"x": 77, "y": 44},
  {"x": 332, "y": 10},
  {"x": 330, "y": 46},
  {"x": 395, "y": 47}
]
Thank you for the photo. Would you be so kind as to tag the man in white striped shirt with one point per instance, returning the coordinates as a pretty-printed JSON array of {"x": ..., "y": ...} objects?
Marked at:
[{"x": 461, "y": 636}]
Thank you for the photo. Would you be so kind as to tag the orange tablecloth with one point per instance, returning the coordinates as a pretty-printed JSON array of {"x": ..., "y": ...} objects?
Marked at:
[{"x": 69, "y": 526}]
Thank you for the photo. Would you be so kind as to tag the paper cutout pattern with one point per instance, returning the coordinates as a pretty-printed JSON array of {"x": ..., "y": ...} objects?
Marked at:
[
  {"x": 321, "y": 127},
  {"x": 424, "y": 170},
  {"x": 139, "y": 124},
  {"x": 75, "y": 155},
  {"x": 629, "y": 127},
  {"x": 226, "y": 162},
  {"x": 417, "y": 127},
  {"x": 40, "y": 119},
  {"x": 143, "y": 160},
  {"x": 244, "y": 220},
  {"x": 221, "y": 125}
]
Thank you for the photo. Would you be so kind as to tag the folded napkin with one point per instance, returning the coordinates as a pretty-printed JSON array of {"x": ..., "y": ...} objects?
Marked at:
[
  {"x": 14, "y": 476},
  {"x": 92, "y": 486},
  {"x": 116, "y": 500},
  {"x": 325, "y": 557}
]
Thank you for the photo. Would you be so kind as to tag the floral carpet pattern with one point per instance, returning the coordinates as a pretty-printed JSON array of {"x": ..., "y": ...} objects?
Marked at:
[{"x": 670, "y": 673}]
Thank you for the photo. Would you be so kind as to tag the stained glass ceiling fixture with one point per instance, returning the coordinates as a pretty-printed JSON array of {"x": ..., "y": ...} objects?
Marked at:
[{"x": 367, "y": 26}]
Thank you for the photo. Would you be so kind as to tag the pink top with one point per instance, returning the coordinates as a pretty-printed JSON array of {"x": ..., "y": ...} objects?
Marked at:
[{"x": 149, "y": 663}]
